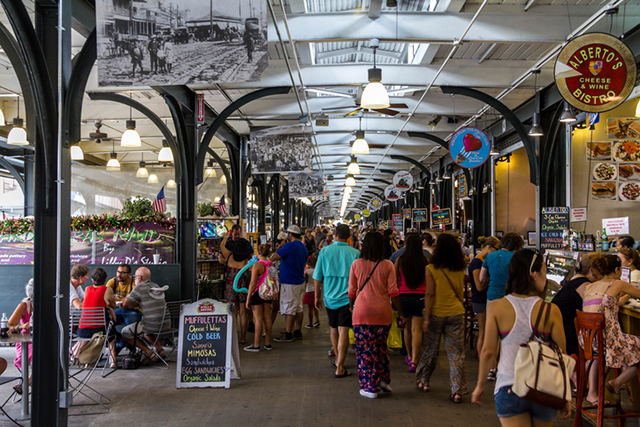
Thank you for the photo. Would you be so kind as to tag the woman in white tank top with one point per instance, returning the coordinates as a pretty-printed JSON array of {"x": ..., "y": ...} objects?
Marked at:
[{"x": 509, "y": 321}]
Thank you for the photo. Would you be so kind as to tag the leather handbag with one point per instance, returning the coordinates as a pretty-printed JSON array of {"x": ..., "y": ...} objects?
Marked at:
[
  {"x": 90, "y": 353},
  {"x": 542, "y": 371}
]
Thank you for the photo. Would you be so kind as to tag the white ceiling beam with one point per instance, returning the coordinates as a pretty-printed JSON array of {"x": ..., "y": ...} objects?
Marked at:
[
  {"x": 357, "y": 49},
  {"x": 432, "y": 27}
]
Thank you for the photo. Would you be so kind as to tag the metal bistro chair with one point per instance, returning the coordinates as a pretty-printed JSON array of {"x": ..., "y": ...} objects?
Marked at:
[
  {"x": 590, "y": 329},
  {"x": 169, "y": 329},
  {"x": 82, "y": 374}
]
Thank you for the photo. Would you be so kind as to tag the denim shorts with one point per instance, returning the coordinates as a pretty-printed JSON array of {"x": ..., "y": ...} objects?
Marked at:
[
  {"x": 508, "y": 404},
  {"x": 412, "y": 305}
]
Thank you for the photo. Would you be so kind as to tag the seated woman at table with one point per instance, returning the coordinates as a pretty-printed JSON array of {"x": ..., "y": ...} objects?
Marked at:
[
  {"x": 98, "y": 295},
  {"x": 20, "y": 323},
  {"x": 629, "y": 258},
  {"x": 622, "y": 350}
]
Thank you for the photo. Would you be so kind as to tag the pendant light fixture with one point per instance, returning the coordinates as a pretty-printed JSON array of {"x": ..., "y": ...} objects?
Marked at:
[
  {"x": 353, "y": 168},
  {"x": 113, "y": 164},
  {"x": 348, "y": 190},
  {"x": 567, "y": 115},
  {"x": 351, "y": 182},
  {"x": 536, "y": 129},
  {"x": 446, "y": 175},
  {"x": 76, "y": 153},
  {"x": 165, "y": 154},
  {"x": 210, "y": 172},
  {"x": 223, "y": 179},
  {"x": 374, "y": 96},
  {"x": 2, "y": 122},
  {"x": 433, "y": 182},
  {"x": 142, "y": 170},
  {"x": 17, "y": 135},
  {"x": 171, "y": 184},
  {"x": 153, "y": 179},
  {"x": 439, "y": 179},
  {"x": 130, "y": 137},
  {"x": 360, "y": 145}
]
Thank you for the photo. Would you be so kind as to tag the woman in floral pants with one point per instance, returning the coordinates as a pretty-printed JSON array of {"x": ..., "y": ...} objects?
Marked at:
[{"x": 371, "y": 282}]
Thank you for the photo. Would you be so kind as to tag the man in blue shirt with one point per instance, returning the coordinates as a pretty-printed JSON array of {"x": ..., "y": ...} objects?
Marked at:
[
  {"x": 331, "y": 279},
  {"x": 294, "y": 256}
]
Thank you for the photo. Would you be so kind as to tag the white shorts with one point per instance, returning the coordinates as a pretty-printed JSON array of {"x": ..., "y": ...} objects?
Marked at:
[
  {"x": 291, "y": 297},
  {"x": 128, "y": 331}
]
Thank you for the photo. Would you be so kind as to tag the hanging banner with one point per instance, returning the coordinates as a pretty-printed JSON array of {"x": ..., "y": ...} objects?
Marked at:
[
  {"x": 595, "y": 72},
  {"x": 403, "y": 180},
  {"x": 280, "y": 150},
  {"x": 391, "y": 193},
  {"x": 306, "y": 184},
  {"x": 469, "y": 147},
  {"x": 375, "y": 204},
  {"x": 357, "y": 217},
  {"x": 180, "y": 42}
]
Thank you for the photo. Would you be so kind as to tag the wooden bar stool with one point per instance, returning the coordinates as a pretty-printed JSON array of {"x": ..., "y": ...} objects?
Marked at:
[{"x": 590, "y": 329}]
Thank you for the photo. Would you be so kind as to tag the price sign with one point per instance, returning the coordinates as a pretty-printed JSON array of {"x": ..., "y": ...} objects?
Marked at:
[
  {"x": 553, "y": 221},
  {"x": 419, "y": 215},
  {"x": 616, "y": 226},
  {"x": 397, "y": 223},
  {"x": 441, "y": 217},
  {"x": 406, "y": 213}
]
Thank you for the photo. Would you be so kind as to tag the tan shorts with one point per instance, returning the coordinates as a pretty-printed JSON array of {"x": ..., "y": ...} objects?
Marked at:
[{"x": 291, "y": 297}]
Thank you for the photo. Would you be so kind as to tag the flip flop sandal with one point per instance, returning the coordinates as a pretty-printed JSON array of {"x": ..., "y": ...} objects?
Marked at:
[
  {"x": 455, "y": 398},
  {"x": 407, "y": 360},
  {"x": 611, "y": 390},
  {"x": 423, "y": 387},
  {"x": 412, "y": 367},
  {"x": 346, "y": 374},
  {"x": 18, "y": 389},
  {"x": 595, "y": 402}
]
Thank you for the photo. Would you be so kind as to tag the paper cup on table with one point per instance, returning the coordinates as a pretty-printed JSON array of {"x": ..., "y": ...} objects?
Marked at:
[{"x": 156, "y": 258}]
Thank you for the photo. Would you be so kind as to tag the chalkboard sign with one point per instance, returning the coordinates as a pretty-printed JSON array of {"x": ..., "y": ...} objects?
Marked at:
[
  {"x": 207, "y": 345},
  {"x": 406, "y": 213},
  {"x": 441, "y": 217},
  {"x": 419, "y": 215},
  {"x": 553, "y": 221},
  {"x": 397, "y": 223}
]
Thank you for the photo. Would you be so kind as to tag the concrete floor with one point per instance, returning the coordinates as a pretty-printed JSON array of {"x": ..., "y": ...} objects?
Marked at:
[{"x": 292, "y": 385}]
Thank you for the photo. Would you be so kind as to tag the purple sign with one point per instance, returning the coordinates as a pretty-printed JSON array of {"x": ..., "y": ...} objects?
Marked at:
[{"x": 142, "y": 243}]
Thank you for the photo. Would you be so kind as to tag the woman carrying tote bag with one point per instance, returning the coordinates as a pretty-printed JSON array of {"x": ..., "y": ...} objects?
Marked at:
[{"x": 510, "y": 320}]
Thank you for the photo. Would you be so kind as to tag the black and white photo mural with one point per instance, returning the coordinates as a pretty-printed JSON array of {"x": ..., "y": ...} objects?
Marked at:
[
  {"x": 179, "y": 42},
  {"x": 306, "y": 184},
  {"x": 281, "y": 150}
]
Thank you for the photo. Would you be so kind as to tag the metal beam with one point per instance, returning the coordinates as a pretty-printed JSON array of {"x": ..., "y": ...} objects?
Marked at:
[
  {"x": 83, "y": 17},
  {"x": 355, "y": 49},
  {"x": 375, "y": 9},
  {"x": 80, "y": 75},
  {"x": 14, "y": 172}
]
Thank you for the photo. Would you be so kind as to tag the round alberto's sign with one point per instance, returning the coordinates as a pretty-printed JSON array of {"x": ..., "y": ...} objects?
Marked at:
[
  {"x": 469, "y": 147},
  {"x": 375, "y": 204},
  {"x": 595, "y": 72},
  {"x": 392, "y": 193},
  {"x": 357, "y": 217},
  {"x": 366, "y": 212},
  {"x": 403, "y": 180}
]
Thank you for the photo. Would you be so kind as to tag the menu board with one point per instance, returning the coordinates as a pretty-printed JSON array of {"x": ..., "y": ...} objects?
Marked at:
[
  {"x": 553, "y": 221},
  {"x": 397, "y": 223},
  {"x": 207, "y": 346},
  {"x": 441, "y": 217},
  {"x": 406, "y": 213},
  {"x": 419, "y": 215}
]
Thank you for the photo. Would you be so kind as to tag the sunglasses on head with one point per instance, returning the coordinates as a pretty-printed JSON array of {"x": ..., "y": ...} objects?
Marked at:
[{"x": 533, "y": 260}]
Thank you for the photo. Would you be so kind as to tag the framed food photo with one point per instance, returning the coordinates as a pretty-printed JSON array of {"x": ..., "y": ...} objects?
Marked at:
[
  {"x": 603, "y": 190},
  {"x": 626, "y": 151},
  {"x": 623, "y": 128},
  {"x": 629, "y": 172},
  {"x": 599, "y": 150},
  {"x": 629, "y": 191},
  {"x": 605, "y": 172}
]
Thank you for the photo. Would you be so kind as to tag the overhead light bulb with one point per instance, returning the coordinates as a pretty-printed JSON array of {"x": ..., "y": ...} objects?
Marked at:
[
  {"x": 351, "y": 182},
  {"x": 439, "y": 179},
  {"x": 375, "y": 95},
  {"x": 568, "y": 116},
  {"x": 2, "y": 122},
  {"x": 638, "y": 109},
  {"x": 171, "y": 184},
  {"x": 130, "y": 138},
  {"x": 165, "y": 154},
  {"x": 210, "y": 172},
  {"x": 142, "y": 171},
  {"x": 536, "y": 129},
  {"x": 223, "y": 179},
  {"x": 446, "y": 175},
  {"x": 17, "y": 134},
  {"x": 113, "y": 164},
  {"x": 153, "y": 179},
  {"x": 353, "y": 168},
  {"x": 76, "y": 153},
  {"x": 494, "y": 152},
  {"x": 348, "y": 190},
  {"x": 360, "y": 145}
]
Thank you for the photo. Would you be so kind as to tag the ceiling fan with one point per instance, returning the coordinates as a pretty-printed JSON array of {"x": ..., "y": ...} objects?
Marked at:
[
  {"x": 356, "y": 108},
  {"x": 97, "y": 136}
]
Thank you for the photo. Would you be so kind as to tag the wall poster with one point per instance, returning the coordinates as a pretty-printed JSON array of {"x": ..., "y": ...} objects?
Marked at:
[{"x": 281, "y": 150}]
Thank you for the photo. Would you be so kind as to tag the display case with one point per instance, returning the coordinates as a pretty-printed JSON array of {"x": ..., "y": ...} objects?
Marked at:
[
  {"x": 560, "y": 266},
  {"x": 211, "y": 231}
]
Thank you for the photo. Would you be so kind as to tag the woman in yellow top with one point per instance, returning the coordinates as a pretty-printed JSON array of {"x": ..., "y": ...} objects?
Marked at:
[{"x": 443, "y": 315}]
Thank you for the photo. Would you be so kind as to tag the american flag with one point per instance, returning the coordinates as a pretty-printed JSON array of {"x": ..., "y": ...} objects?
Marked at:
[
  {"x": 160, "y": 203},
  {"x": 222, "y": 206}
]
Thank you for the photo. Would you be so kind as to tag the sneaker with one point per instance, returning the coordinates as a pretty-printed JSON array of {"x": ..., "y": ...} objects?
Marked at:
[
  {"x": 297, "y": 334},
  {"x": 368, "y": 394},
  {"x": 252, "y": 348},
  {"x": 317, "y": 324},
  {"x": 385, "y": 387},
  {"x": 268, "y": 347},
  {"x": 309, "y": 326},
  {"x": 285, "y": 337},
  {"x": 492, "y": 375}
]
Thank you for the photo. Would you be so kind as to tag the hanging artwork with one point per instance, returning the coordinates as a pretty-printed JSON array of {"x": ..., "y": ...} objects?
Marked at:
[
  {"x": 306, "y": 184},
  {"x": 375, "y": 204},
  {"x": 403, "y": 180},
  {"x": 392, "y": 193},
  {"x": 281, "y": 150},
  {"x": 179, "y": 42},
  {"x": 469, "y": 147}
]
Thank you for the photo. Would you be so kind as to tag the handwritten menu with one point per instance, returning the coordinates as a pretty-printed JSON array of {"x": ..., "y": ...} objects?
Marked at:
[
  {"x": 553, "y": 221},
  {"x": 397, "y": 223},
  {"x": 441, "y": 217},
  {"x": 204, "y": 347},
  {"x": 419, "y": 215},
  {"x": 406, "y": 213}
]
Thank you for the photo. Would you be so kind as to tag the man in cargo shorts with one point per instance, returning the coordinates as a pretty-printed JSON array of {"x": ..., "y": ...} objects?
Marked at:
[{"x": 294, "y": 256}]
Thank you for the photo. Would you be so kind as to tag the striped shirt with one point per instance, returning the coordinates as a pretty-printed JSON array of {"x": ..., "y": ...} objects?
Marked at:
[{"x": 152, "y": 309}]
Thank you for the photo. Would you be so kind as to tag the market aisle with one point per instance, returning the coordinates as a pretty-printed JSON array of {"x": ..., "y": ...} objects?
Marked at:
[{"x": 292, "y": 385}]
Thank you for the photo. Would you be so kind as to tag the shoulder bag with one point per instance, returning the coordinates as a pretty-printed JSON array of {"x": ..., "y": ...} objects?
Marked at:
[
  {"x": 541, "y": 371},
  {"x": 366, "y": 281},
  {"x": 90, "y": 353}
]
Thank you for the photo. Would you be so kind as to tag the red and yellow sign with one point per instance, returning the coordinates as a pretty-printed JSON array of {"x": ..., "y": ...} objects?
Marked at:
[{"x": 595, "y": 72}]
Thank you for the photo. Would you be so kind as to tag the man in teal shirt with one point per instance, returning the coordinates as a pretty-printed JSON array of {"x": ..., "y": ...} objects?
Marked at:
[{"x": 331, "y": 279}]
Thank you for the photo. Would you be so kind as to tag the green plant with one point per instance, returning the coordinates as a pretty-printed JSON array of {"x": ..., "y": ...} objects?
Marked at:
[
  {"x": 136, "y": 207},
  {"x": 207, "y": 209}
]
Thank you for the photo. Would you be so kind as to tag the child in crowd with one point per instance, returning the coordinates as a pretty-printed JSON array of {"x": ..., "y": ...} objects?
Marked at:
[{"x": 309, "y": 299}]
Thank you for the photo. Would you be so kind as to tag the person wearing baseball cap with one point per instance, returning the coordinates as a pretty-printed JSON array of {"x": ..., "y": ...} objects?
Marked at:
[{"x": 294, "y": 256}]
